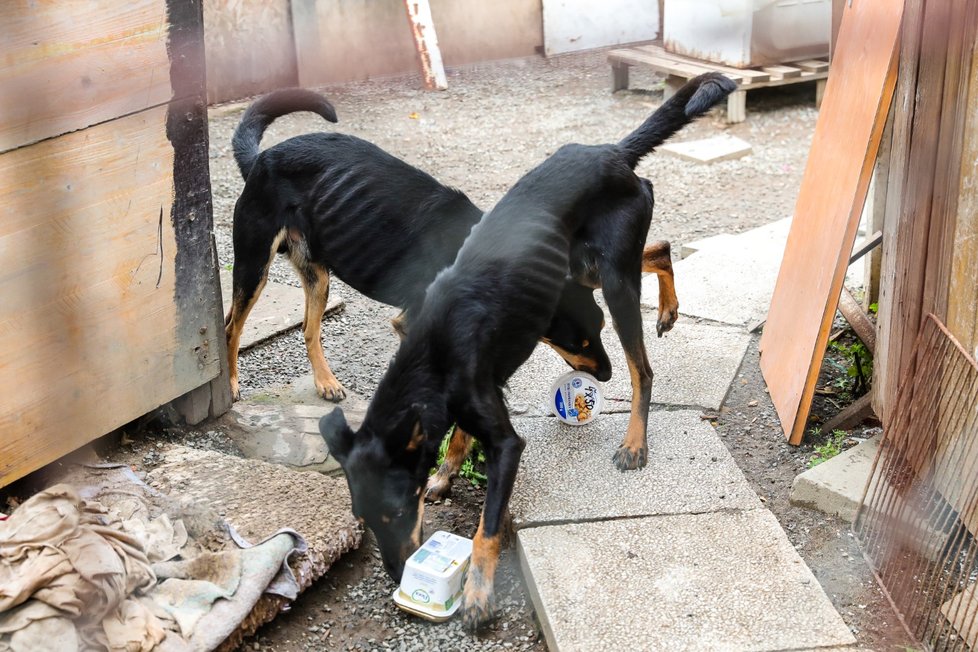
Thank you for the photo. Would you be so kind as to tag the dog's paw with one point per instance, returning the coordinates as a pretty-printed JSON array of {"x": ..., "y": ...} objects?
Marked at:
[
  {"x": 439, "y": 487},
  {"x": 667, "y": 319},
  {"x": 477, "y": 611},
  {"x": 626, "y": 459},
  {"x": 331, "y": 391}
]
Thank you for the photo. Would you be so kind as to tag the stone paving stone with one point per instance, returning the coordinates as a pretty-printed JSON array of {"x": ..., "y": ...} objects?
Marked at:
[
  {"x": 273, "y": 429},
  {"x": 693, "y": 364},
  {"x": 709, "y": 150},
  {"x": 732, "y": 282},
  {"x": 566, "y": 472},
  {"x": 279, "y": 308},
  {"x": 698, "y": 582}
]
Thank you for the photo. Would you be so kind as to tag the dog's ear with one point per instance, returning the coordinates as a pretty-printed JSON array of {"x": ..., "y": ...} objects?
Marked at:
[
  {"x": 338, "y": 435},
  {"x": 429, "y": 420}
]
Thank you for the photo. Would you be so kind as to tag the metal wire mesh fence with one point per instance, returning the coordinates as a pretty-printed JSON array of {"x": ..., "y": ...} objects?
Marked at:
[{"x": 920, "y": 510}]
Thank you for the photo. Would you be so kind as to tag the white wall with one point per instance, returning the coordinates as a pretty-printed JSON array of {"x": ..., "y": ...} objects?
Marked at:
[{"x": 572, "y": 25}]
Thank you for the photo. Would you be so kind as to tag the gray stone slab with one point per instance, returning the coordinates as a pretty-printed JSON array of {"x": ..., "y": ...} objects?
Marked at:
[
  {"x": 693, "y": 364},
  {"x": 709, "y": 150},
  {"x": 836, "y": 485},
  {"x": 719, "y": 581},
  {"x": 566, "y": 473},
  {"x": 279, "y": 308},
  {"x": 288, "y": 434},
  {"x": 720, "y": 240},
  {"x": 730, "y": 283}
]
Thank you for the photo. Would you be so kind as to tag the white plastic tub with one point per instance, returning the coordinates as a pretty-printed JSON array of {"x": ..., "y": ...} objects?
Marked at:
[
  {"x": 575, "y": 398},
  {"x": 431, "y": 586}
]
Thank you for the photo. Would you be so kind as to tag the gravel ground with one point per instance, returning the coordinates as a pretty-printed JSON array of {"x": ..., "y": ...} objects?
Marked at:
[{"x": 494, "y": 123}]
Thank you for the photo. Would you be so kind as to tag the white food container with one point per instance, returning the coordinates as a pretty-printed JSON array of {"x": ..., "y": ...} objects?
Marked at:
[
  {"x": 431, "y": 586},
  {"x": 575, "y": 398}
]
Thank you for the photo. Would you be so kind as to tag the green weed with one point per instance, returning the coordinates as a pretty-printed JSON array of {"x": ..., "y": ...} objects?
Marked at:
[
  {"x": 828, "y": 449},
  {"x": 859, "y": 372}
]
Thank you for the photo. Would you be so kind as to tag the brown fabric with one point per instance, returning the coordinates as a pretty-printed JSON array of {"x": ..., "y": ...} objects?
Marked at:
[{"x": 77, "y": 575}]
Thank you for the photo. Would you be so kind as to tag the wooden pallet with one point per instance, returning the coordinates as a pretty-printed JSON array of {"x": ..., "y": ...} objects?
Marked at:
[{"x": 678, "y": 69}]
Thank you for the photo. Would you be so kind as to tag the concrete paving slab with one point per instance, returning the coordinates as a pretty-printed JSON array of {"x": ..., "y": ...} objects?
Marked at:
[
  {"x": 731, "y": 283},
  {"x": 279, "y": 308},
  {"x": 693, "y": 364},
  {"x": 836, "y": 485},
  {"x": 718, "y": 581},
  {"x": 714, "y": 241},
  {"x": 288, "y": 434},
  {"x": 709, "y": 150},
  {"x": 566, "y": 473}
]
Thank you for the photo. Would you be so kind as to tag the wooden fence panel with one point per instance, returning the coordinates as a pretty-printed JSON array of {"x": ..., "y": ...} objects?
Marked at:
[
  {"x": 110, "y": 294},
  {"x": 69, "y": 64}
]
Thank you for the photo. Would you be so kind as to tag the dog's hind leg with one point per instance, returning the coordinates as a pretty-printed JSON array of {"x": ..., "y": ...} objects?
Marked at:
[
  {"x": 248, "y": 280},
  {"x": 315, "y": 282},
  {"x": 657, "y": 259},
  {"x": 622, "y": 295},
  {"x": 440, "y": 484}
]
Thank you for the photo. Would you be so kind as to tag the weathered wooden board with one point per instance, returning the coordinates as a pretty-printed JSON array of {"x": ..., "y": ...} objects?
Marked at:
[
  {"x": 962, "y": 315},
  {"x": 91, "y": 335},
  {"x": 927, "y": 193},
  {"x": 69, "y": 64},
  {"x": 827, "y": 213}
]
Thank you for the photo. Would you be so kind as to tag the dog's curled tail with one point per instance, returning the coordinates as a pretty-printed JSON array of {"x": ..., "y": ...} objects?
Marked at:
[
  {"x": 254, "y": 122},
  {"x": 691, "y": 101}
]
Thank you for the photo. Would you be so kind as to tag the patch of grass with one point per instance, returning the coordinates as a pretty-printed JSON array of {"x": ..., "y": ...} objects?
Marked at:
[
  {"x": 470, "y": 469},
  {"x": 831, "y": 447},
  {"x": 229, "y": 267}
]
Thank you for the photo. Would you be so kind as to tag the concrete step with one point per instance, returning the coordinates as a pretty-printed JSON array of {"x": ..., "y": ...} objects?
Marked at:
[
  {"x": 836, "y": 486},
  {"x": 717, "y": 581}
]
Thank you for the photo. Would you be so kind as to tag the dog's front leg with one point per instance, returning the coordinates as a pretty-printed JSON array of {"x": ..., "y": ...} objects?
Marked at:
[{"x": 502, "y": 458}]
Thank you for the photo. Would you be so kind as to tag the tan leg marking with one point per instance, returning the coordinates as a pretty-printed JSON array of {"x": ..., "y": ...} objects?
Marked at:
[
  {"x": 440, "y": 484},
  {"x": 317, "y": 293},
  {"x": 477, "y": 596},
  {"x": 235, "y": 320},
  {"x": 656, "y": 259},
  {"x": 399, "y": 326},
  {"x": 633, "y": 453}
]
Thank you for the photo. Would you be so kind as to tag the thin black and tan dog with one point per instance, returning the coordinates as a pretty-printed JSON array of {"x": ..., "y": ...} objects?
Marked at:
[
  {"x": 338, "y": 204},
  {"x": 583, "y": 212}
]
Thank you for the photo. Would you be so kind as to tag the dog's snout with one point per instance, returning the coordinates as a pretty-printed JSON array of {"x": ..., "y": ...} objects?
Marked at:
[
  {"x": 603, "y": 374},
  {"x": 396, "y": 571}
]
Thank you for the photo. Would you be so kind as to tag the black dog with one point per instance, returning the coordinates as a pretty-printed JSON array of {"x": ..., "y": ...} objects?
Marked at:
[
  {"x": 336, "y": 203},
  {"x": 581, "y": 212}
]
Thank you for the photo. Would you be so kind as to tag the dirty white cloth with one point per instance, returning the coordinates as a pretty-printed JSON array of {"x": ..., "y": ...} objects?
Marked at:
[{"x": 75, "y": 575}]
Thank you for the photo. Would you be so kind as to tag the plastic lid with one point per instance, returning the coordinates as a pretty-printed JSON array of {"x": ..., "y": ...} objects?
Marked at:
[{"x": 576, "y": 398}]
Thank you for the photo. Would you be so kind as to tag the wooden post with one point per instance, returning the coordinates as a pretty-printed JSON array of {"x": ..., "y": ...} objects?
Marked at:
[
  {"x": 619, "y": 76},
  {"x": 737, "y": 107},
  {"x": 426, "y": 41}
]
